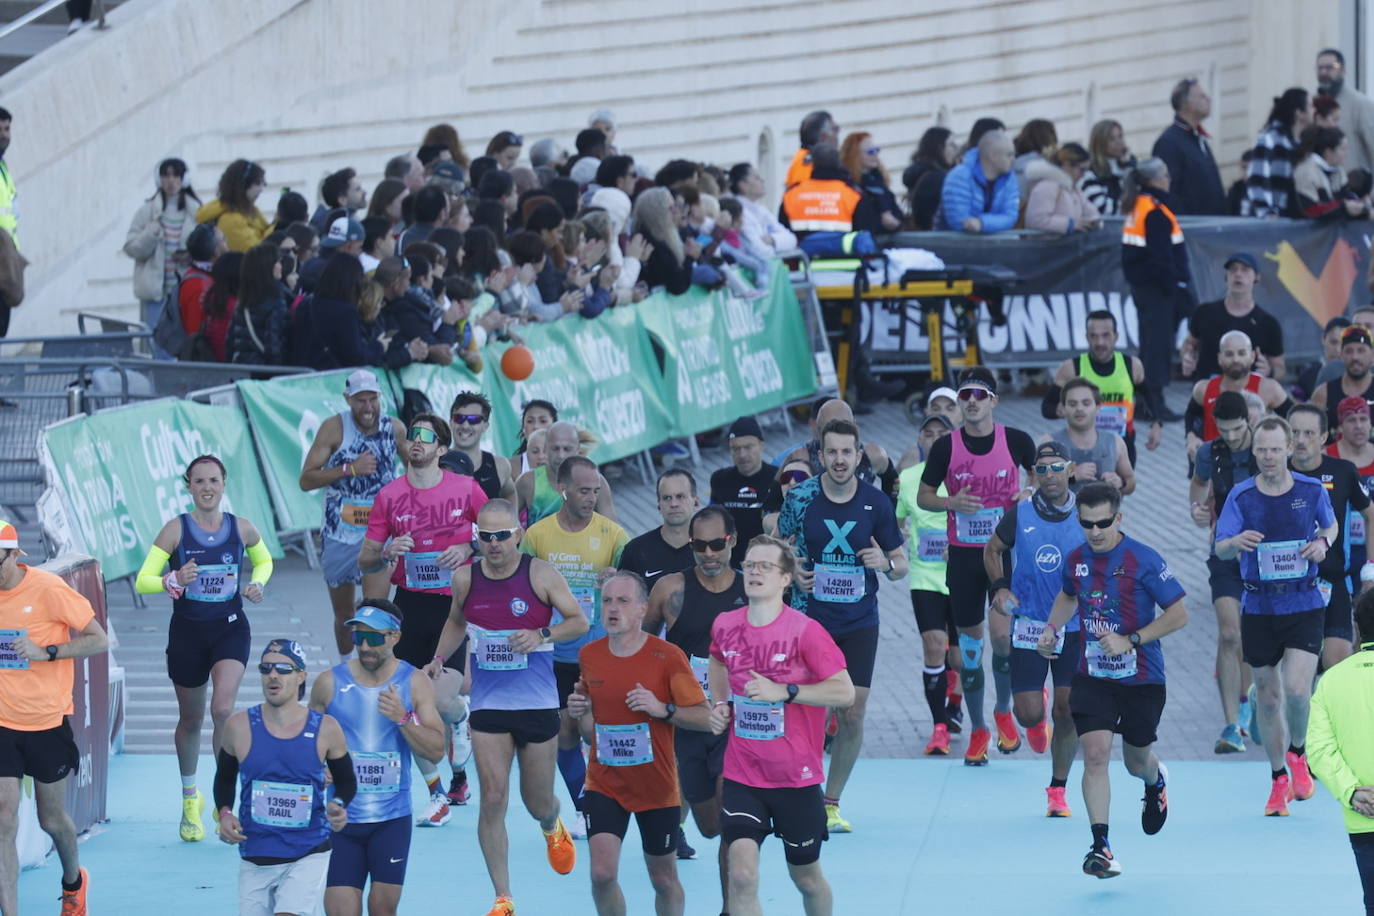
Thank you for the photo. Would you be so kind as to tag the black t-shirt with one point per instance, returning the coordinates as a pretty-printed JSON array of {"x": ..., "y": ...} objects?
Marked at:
[
  {"x": 651, "y": 557},
  {"x": 1342, "y": 482},
  {"x": 1211, "y": 321},
  {"x": 1019, "y": 443},
  {"x": 746, "y": 498}
]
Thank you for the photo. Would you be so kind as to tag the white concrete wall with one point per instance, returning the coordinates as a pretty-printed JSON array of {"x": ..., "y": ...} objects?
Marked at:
[{"x": 307, "y": 86}]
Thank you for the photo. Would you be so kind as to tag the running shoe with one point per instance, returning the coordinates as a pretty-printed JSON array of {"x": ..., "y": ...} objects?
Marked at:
[
  {"x": 1008, "y": 737},
  {"x": 1279, "y": 796},
  {"x": 954, "y": 715},
  {"x": 562, "y": 852},
  {"x": 1245, "y": 717},
  {"x": 192, "y": 829},
  {"x": 976, "y": 754},
  {"x": 74, "y": 902},
  {"x": 578, "y": 830},
  {"x": 1038, "y": 736},
  {"x": 834, "y": 823},
  {"x": 939, "y": 742},
  {"x": 458, "y": 791},
  {"x": 504, "y": 906},
  {"x": 1303, "y": 787},
  {"x": 1230, "y": 741},
  {"x": 1056, "y": 805},
  {"x": 684, "y": 848},
  {"x": 1253, "y": 726},
  {"x": 1154, "y": 807},
  {"x": 1100, "y": 863},
  {"x": 436, "y": 813}
]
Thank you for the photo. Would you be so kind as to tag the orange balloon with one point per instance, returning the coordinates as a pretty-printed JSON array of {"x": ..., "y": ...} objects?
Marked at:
[{"x": 517, "y": 363}]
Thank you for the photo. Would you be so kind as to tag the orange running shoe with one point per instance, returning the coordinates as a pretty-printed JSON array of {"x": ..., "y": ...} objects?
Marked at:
[
  {"x": 1008, "y": 737},
  {"x": 74, "y": 902},
  {"x": 562, "y": 852},
  {"x": 976, "y": 754},
  {"x": 939, "y": 742},
  {"x": 504, "y": 906},
  {"x": 1038, "y": 736},
  {"x": 1279, "y": 797},
  {"x": 1303, "y": 787},
  {"x": 1056, "y": 805}
]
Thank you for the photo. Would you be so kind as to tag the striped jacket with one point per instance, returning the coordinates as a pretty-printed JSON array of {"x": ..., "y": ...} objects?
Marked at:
[{"x": 1269, "y": 180}]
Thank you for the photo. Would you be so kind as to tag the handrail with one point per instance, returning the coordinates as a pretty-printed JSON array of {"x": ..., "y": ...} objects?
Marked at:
[{"x": 37, "y": 13}]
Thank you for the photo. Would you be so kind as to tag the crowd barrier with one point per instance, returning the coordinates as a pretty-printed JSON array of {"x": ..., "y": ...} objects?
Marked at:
[{"x": 667, "y": 367}]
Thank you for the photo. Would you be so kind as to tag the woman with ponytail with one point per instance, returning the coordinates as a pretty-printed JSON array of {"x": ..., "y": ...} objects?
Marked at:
[
  {"x": 157, "y": 235},
  {"x": 236, "y": 211},
  {"x": 1269, "y": 178}
]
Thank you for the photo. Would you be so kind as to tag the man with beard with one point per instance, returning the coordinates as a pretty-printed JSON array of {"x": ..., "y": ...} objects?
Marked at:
[
  {"x": 1357, "y": 353},
  {"x": 469, "y": 419},
  {"x": 1235, "y": 357},
  {"x": 1096, "y": 453}
]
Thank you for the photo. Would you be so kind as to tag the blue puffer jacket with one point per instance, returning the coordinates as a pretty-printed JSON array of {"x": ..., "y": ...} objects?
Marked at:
[{"x": 965, "y": 193}]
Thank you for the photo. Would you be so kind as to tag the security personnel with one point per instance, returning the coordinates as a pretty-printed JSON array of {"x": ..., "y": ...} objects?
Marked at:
[
  {"x": 827, "y": 201},
  {"x": 816, "y": 127},
  {"x": 9, "y": 208}
]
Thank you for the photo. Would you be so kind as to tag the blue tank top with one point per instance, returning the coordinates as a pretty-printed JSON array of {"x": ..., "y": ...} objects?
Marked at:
[
  {"x": 348, "y": 500},
  {"x": 381, "y": 756},
  {"x": 281, "y": 797},
  {"x": 1037, "y": 572},
  {"x": 501, "y": 678},
  {"x": 214, "y": 594}
]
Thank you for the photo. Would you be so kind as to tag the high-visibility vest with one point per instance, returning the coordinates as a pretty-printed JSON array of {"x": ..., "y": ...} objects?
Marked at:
[
  {"x": 821, "y": 206},
  {"x": 9, "y": 209},
  {"x": 1133, "y": 230},
  {"x": 800, "y": 169}
]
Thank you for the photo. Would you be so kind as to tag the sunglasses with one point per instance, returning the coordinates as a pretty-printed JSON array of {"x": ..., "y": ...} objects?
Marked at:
[
  {"x": 278, "y": 667},
  {"x": 421, "y": 434},
  {"x": 498, "y": 534},
  {"x": 1056, "y": 468},
  {"x": 368, "y": 638},
  {"x": 794, "y": 476},
  {"x": 715, "y": 544},
  {"x": 873, "y": 150},
  {"x": 1103, "y": 523},
  {"x": 470, "y": 419},
  {"x": 974, "y": 394}
]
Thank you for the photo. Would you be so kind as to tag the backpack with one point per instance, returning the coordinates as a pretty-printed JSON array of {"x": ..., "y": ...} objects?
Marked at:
[{"x": 168, "y": 332}]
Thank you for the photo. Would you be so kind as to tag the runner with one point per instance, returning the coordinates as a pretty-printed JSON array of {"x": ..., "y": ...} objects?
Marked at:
[
  {"x": 687, "y": 604},
  {"x": 509, "y": 600},
  {"x": 978, "y": 466},
  {"x": 927, "y": 544},
  {"x": 1353, "y": 445},
  {"x": 1116, "y": 375},
  {"x": 423, "y": 522},
  {"x": 875, "y": 468},
  {"x": 272, "y": 754},
  {"x": 386, "y": 710},
  {"x": 536, "y": 492},
  {"x": 1097, "y": 453},
  {"x": 748, "y": 485},
  {"x": 665, "y": 549},
  {"x": 38, "y": 612},
  {"x": 208, "y": 638},
  {"x": 845, "y": 531},
  {"x": 470, "y": 419},
  {"x": 535, "y": 415},
  {"x": 793, "y": 473},
  {"x": 354, "y": 454},
  {"x": 778, "y": 703},
  {"x": 1218, "y": 467},
  {"x": 1048, "y": 531},
  {"x": 944, "y": 402},
  {"x": 636, "y": 693},
  {"x": 585, "y": 547},
  {"x": 1348, "y": 501},
  {"x": 1235, "y": 358},
  {"x": 1114, "y": 583},
  {"x": 1357, "y": 355},
  {"x": 1282, "y": 526}
]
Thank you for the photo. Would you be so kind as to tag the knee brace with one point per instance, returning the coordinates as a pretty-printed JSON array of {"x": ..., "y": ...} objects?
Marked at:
[
  {"x": 1001, "y": 663},
  {"x": 971, "y": 651}
]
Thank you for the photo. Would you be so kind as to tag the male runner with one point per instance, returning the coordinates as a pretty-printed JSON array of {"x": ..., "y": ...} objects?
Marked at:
[
  {"x": 1353, "y": 445},
  {"x": 636, "y": 692},
  {"x": 1357, "y": 355},
  {"x": 38, "y": 612},
  {"x": 1217, "y": 467},
  {"x": 665, "y": 549},
  {"x": 1348, "y": 500},
  {"x": 386, "y": 710},
  {"x": 1114, "y": 583},
  {"x": 469, "y": 419},
  {"x": 354, "y": 454},
  {"x": 687, "y": 604},
  {"x": 747, "y": 486},
  {"x": 776, "y": 711},
  {"x": 1235, "y": 357},
  {"x": 585, "y": 547},
  {"x": 875, "y": 467},
  {"x": 846, "y": 531},
  {"x": 1116, "y": 375},
  {"x": 1281, "y": 525},
  {"x": 1096, "y": 453},
  {"x": 537, "y": 493},
  {"x": 509, "y": 601},
  {"x": 978, "y": 464},
  {"x": 1039, "y": 534},
  {"x": 275, "y": 755}
]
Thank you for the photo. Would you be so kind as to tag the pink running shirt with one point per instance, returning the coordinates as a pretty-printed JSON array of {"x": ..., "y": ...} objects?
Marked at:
[{"x": 436, "y": 518}]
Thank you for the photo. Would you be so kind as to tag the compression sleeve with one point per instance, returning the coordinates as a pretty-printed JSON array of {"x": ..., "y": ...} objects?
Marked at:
[
  {"x": 226, "y": 779},
  {"x": 262, "y": 563},
  {"x": 149, "y": 581},
  {"x": 345, "y": 780}
]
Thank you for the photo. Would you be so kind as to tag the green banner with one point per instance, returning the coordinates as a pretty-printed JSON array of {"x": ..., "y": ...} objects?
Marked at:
[
  {"x": 120, "y": 473},
  {"x": 726, "y": 357},
  {"x": 286, "y": 413},
  {"x": 602, "y": 375}
]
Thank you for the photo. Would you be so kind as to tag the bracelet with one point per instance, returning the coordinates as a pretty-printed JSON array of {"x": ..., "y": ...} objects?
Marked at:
[
  {"x": 408, "y": 718},
  {"x": 1052, "y": 628},
  {"x": 225, "y": 812},
  {"x": 720, "y": 703}
]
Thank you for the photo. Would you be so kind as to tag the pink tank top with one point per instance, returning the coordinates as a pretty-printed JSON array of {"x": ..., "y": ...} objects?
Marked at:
[{"x": 995, "y": 479}]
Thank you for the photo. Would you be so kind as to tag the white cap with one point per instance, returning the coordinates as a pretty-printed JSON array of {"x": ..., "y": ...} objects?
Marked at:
[
  {"x": 942, "y": 392},
  {"x": 361, "y": 380}
]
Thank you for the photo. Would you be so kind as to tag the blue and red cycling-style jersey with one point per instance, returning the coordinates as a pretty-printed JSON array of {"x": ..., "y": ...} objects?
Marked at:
[{"x": 1120, "y": 591}]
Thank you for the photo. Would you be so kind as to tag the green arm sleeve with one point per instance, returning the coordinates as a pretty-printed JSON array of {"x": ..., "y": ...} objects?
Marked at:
[
  {"x": 262, "y": 563},
  {"x": 149, "y": 581}
]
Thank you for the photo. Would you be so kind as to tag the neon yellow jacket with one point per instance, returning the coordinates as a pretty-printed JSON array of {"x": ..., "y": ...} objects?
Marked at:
[{"x": 1340, "y": 733}]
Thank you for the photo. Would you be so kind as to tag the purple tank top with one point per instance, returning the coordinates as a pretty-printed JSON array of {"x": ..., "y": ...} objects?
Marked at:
[
  {"x": 995, "y": 479},
  {"x": 501, "y": 677}
]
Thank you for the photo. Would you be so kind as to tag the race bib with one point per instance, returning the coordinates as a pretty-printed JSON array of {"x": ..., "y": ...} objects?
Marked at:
[
  {"x": 624, "y": 745},
  {"x": 493, "y": 652},
  {"x": 1112, "y": 418},
  {"x": 701, "y": 667},
  {"x": 1279, "y": 560},
  {"x": 1111, "y": 667},
  {"x": 1356, "y": 528},
  {"x": 1025, "y": 634},
  {"x": 378, "y": 771},
  {"x": 931, "y": 544},
  {"x": 423, "y": 571},
  {"x": 353, "y": 514},
  {"x": 758, "y": 720},
  {"x": 218, "y": 582},
  {"x": 282, "y": 804},
  {"x": 1325, "y": 588},
  {"x": 586, "y": 599},
  {"x": 839, "y": 584},
  {"x": 10, "y": 657},
  {"x": 977, "y": 528}
]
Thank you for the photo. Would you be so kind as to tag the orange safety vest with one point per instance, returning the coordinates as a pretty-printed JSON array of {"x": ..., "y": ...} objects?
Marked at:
[
  {"x": 821, "y": 206},
  {"x": 1133, "y": 230},
  {"x": 800, "y": 169}
]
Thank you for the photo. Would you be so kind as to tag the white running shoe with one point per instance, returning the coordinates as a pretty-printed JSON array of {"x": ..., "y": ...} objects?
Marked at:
[
  {"x": 436, "y": 813},
  {"x": 577, "y": 827}
]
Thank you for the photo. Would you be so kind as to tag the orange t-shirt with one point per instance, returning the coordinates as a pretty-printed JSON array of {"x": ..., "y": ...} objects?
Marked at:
[
  {"x": 636, "y": 784},
  {"x": 34, "y": 696}
]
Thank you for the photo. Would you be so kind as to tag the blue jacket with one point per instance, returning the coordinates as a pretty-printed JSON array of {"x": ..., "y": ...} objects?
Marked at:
[{"x": 966, "y": 193}]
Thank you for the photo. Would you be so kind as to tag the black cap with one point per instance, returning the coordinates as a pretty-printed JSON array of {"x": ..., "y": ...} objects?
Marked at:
[
  {"x": 745, "y": 426},
  {"x": 1051, "y": 449},
  {"x": 941, "y": 418},
  {"x": 1241, "y": 257},
  {"x": 978, "y": 375}
]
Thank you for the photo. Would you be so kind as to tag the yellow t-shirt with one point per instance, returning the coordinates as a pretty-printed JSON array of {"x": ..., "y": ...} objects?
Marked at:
[
  {"x": 34, "y": 696},
  {"x": 579, "y": 556}
]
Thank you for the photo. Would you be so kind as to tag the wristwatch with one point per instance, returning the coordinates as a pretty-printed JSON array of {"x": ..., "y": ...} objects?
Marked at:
[
  {"x": 669, "y": 711},
  {"x": 545, "y": 634},
  {"x": 1135, "y": 638},
  {"x": 52, "y": 653},
  {"x": 792, "y": 691}
]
